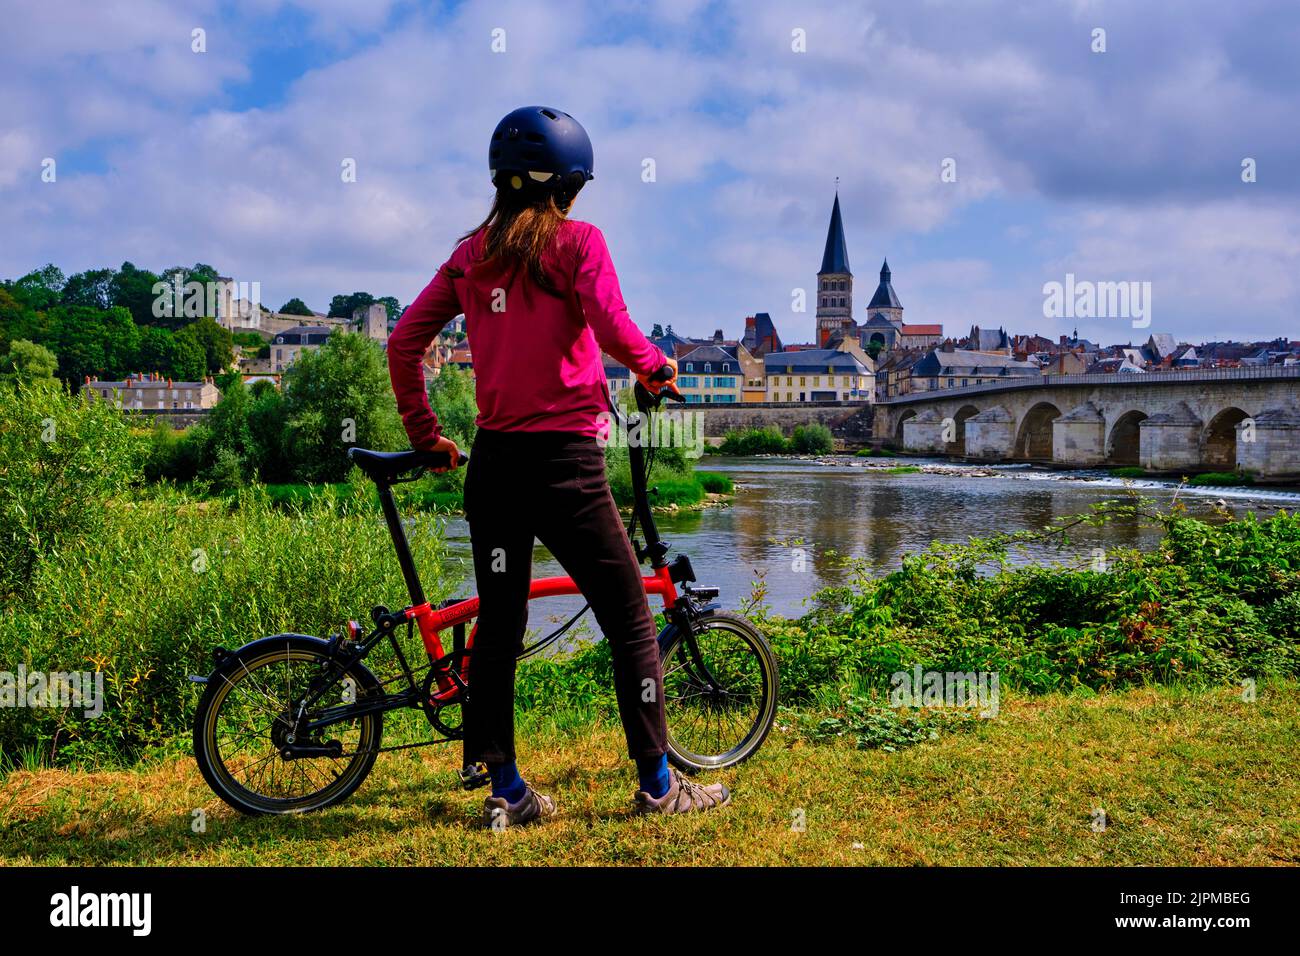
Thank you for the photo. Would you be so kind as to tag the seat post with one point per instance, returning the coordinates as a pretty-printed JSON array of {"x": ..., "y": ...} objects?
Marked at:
[{"x": 400, "y": 544}]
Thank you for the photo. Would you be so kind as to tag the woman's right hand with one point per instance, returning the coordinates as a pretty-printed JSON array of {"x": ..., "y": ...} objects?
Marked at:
[{"x": 445, "y": 444}]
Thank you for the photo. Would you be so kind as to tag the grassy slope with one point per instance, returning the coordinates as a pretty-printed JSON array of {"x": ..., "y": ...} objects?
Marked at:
[{"x": 1185, "y": 778}]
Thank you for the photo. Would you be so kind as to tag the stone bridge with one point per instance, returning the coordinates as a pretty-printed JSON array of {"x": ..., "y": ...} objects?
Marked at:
[{"x": 1178, "y": 421}]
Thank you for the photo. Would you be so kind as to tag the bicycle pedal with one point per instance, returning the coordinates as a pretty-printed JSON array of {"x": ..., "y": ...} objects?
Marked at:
[{"x": 474, "y": 776}]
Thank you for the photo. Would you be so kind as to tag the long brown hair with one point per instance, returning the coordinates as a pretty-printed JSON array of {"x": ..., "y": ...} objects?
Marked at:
[{"x": 519, "y": 231}]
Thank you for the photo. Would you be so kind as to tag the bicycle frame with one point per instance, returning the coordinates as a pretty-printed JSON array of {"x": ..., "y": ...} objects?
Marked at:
[{"x": 433, "y": 621}]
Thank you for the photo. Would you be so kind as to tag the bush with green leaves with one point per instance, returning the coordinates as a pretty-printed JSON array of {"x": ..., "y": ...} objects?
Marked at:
[
  {"x": 163, "y": 581},
  {"x": 812, "y": 439},
  {"x": 61, "y": 458},
  {"x": 755, "y": 441}
]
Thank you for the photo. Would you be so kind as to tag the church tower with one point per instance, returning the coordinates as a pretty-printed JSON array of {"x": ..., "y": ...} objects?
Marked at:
[
  {"x": 834, "y": 282},
  {"x": 885, "y": 301}
]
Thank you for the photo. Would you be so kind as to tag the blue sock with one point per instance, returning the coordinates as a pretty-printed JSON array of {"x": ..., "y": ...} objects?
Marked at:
[
  {"x": 653, "y": 772},
  {"x": 506, "y": 781}
]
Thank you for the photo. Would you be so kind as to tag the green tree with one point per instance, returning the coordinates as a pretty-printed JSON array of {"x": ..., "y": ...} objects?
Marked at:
[
  {"x": 216, "y": 342},
  {"x": 295, "y": 306},
  {"x": 657, "y": 331},
  {"x": 191, "y": 362},
  {"x": 335, "y": 397},
  {"x": 18, "y": 320},
  {"x": 27, "y": 362},
  {"x": 393, "y": 307},
  {"x": 93, "y": 342},
  {"x": 268, "y": 425},
  {"x": 451, "y": 395},
  {"x": 93, "y": 289},
  {"x": 41, "y": 288},
  {"x": 342, "y": 306},
  {"x": 158, "y": 352},
  {"x": 132, "y": 289},
  {"x": 232, "y": 451}
]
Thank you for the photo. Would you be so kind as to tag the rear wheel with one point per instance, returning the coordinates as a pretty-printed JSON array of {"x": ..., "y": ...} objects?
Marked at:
[
  {"x": 720, "y": 691},
  {"x": 249, "y": 716}
]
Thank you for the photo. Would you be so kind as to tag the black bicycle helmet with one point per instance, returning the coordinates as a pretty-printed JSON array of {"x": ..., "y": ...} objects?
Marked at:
[{"x": 540, "y": 150}]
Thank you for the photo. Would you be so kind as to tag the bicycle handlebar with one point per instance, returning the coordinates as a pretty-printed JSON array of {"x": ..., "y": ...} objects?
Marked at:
[{"x": 647, "y": 400}]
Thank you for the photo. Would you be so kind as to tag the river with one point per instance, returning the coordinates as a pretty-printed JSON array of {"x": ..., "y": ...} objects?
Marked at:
[{"x": 852, "y": 506}]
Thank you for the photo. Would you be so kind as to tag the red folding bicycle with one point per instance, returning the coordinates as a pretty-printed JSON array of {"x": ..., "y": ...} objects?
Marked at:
[{"x": 293, "y": 723}]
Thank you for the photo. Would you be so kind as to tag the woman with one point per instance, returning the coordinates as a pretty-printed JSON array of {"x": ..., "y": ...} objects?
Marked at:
[{"x": 541, "y": 300}]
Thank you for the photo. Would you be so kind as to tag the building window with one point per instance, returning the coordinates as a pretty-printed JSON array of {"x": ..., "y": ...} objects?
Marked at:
[{"x": 690, "y": 366}]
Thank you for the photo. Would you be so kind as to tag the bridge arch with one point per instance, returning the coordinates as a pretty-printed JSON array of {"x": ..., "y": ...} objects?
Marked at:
[
  {"x": 1219, "y": 440},
  {"x": 898, "y": 427},
  {"x": 958, "y": 445},
  {"x": 1034, "y": 438},
  {"x": 1123, "y": 447}
]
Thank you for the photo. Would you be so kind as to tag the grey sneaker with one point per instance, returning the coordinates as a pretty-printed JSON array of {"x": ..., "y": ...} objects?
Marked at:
[
  {"x": 532, "y": 806},
  {"x": 683, "y": 796}
]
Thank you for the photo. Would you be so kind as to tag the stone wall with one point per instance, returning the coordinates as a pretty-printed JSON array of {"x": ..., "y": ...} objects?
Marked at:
[{"x": 850, "y": 421}]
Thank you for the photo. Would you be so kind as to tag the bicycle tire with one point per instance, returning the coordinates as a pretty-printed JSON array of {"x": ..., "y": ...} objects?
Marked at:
[
  {"x": 685, "y": 688},
  {"x": 240, "y": 668}
]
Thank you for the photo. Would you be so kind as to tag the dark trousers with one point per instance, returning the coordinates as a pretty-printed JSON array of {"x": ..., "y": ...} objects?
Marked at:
[{"x": 552, "y": 486}]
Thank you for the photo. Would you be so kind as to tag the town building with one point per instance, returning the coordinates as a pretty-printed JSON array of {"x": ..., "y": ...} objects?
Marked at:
[
  {"x": 153, "y": 393},
  {"x": 760, "y": 335},
  {"x": 960, "y": 367},
  {"x": 817, "y": 375},
  {"x": 710, "y": 374}
]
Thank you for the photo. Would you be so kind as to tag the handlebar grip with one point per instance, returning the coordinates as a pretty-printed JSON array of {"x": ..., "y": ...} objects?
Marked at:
[
  {"x": 441, "y": 459},
  {"x": 665, "y": 374}
]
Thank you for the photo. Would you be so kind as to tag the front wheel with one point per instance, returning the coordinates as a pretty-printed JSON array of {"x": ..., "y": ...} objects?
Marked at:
[{"x": 720, "y": 691}]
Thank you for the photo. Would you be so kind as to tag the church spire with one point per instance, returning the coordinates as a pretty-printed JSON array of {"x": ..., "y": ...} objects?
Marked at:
[
  {"x": 835, "y": 260},
  {"x": 885, "y": 298}
]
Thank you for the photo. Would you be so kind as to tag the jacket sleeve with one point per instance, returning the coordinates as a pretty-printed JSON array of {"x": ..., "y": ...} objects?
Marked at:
[
  {"x": 596, "y": 285},
  {"x": 432, "y": 309}
]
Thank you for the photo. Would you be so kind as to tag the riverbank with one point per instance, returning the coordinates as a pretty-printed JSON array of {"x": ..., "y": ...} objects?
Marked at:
[{"x": 1146, "y": 777}]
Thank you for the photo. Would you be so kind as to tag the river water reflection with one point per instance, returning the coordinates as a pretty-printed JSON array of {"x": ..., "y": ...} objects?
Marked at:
[{"x": 854, "y": 507}]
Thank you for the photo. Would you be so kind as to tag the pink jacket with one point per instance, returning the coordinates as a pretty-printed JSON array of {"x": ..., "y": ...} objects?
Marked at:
[{"x": 536, "y": 356}]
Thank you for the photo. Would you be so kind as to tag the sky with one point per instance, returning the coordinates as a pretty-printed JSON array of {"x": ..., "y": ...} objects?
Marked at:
[{"x": 1122, "y": 164}]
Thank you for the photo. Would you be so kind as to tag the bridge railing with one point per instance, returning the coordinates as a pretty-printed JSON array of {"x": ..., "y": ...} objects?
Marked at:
[{"x": 1172, "y": 377}]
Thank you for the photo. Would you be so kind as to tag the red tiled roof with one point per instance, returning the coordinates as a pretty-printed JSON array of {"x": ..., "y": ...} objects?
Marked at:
[{"x": 922, "y": 329}]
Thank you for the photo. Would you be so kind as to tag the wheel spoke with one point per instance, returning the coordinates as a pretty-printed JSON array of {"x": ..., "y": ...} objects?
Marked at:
[
  {"x": 253, "y": 721},
  {"x": 716, "y": 702}
]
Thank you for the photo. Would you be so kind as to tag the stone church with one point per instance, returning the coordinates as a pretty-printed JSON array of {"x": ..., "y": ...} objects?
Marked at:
[{"x": 884, "y": 325}]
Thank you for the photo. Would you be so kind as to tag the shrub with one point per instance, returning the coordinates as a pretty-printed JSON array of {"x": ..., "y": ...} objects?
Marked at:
[
  {"x": 61, "y": 458},
  {"x": 716, "y": 483},
  {"x": 165, "y": 581},
  {"x": 755, "y": 441},
  {"x": 812, "y": 440}
]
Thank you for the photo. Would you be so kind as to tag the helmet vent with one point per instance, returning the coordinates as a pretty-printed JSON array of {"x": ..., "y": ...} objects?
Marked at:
[{"x": 549, "y": 115}]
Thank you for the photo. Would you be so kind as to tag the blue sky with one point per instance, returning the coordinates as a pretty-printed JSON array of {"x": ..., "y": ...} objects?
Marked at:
[{"x": 1114, "y": 166}]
